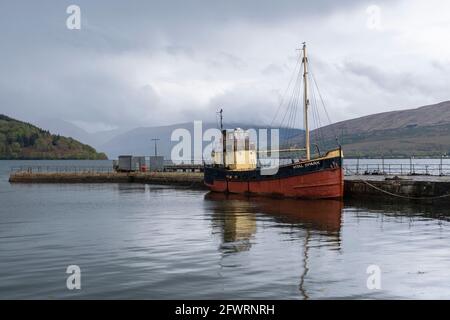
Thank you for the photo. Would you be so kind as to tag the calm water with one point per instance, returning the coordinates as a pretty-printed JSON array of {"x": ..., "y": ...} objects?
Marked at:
[{"x": 141, "y": 241}]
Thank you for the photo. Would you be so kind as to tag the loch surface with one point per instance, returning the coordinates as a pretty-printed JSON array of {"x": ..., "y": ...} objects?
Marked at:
[{"x": 159, "y": 242}]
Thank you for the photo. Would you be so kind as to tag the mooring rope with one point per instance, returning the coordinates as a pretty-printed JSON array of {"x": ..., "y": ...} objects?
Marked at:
[
  {"x": 399, "y": 195},
  {"x": 402, "y": 196}
]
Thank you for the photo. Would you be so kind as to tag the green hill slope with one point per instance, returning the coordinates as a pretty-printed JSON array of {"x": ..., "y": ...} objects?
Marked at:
[{"x": 20, "y": 140}]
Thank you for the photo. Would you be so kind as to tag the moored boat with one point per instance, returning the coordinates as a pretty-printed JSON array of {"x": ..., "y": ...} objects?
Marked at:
[{"x": 235, "y": 169}]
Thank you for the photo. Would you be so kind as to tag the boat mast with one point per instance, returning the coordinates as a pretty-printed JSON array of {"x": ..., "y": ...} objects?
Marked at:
[
  {"x": 221, "y": 119},
  {"x": 224, "y": 136},
  {"x": 306, "y": 102}
]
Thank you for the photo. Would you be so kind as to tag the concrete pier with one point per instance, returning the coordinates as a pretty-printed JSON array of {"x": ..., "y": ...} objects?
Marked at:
[
  {"x": 407, "y": 187},
  {"x": 191, "y": 179}
]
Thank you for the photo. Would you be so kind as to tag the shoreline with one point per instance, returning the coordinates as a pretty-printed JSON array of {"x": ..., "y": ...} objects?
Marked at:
[{"x": 415, "y": 188}]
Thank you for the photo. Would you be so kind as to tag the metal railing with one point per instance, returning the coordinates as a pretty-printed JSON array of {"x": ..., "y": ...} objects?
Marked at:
[
  {"x": 356, "y": 168},
  {"x": 199, "y": 162},
  {"x": 431, "y": 169},
  {"x": 61, "y": 169}
]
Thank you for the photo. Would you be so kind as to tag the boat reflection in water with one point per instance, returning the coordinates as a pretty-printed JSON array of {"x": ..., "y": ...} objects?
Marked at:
[
  {"x": 319, "y": 215},
  {"x": 236, "y": 214},
  {"x": 235, "y": 217}
]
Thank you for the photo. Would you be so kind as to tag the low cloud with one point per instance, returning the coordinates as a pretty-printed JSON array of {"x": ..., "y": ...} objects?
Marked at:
[{"x": 142, "y": 63}]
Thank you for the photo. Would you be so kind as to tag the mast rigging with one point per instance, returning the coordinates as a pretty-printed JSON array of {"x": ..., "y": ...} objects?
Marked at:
[{"x": 306, "y": 101}]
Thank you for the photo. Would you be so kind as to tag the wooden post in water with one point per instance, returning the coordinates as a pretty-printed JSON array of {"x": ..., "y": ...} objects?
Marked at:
[{"x": 357, "y": 166}]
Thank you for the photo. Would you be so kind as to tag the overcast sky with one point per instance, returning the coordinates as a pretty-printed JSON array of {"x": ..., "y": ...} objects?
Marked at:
[{"x": 145, "y": 63}]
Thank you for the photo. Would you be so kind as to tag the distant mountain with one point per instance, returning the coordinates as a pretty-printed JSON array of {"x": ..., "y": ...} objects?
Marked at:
[
  {"x": 138, "y": 141},
  {"x": 423, "y": 131},
  {"x": 63, "y": 128},
  {"x": 68, "y": 129},
  {"x": 21, "y": 140}
]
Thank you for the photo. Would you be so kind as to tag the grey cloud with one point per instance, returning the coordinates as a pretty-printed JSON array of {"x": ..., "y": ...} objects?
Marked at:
[
  {"x": 94, "y": 75},
  {"x": 385, "y": 79},
  {"x": 133, "y": 24},
  {"x": 272, "y": 69},
  {"x": 226, "y": 60}
]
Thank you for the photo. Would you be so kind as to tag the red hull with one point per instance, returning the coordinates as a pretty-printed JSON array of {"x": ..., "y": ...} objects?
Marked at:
[{"x": 322, "y": 184}]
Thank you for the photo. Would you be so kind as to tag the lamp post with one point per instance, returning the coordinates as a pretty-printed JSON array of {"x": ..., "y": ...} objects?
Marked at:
[{"x": 156, "y": 148}]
